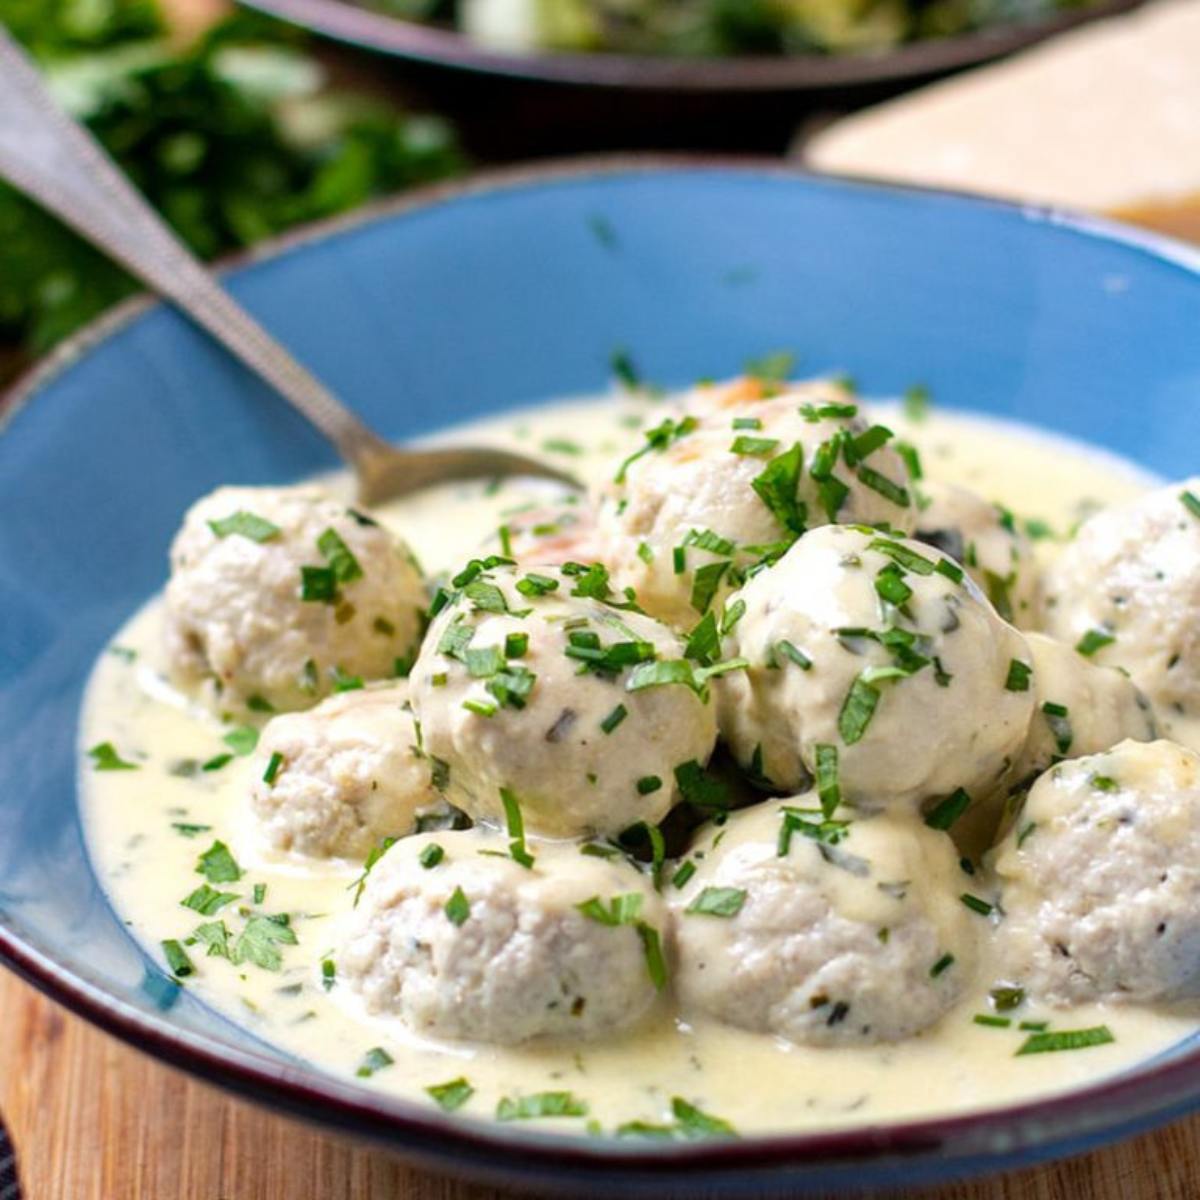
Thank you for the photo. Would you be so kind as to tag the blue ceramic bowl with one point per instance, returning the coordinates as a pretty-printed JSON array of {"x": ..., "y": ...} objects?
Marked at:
[{"x": 463, "y": 303}]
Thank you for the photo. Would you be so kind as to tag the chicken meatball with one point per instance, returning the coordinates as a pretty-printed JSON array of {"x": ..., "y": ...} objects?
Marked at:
[
  {"x": 875, "y": 666},
  {"x": 734, "y": 478},
  {"x": 333, "y": 781},
  {"x": 1079, "y": 708},
  {"x": 276, "y": 593},
  {"x": 842, "y": 930},
  {"x": 1126, "y": 592},
  {"x": 985, "y": 539},
  {"x": 1101, "y": 879},
  {"x": 541, "y": 689},
  {"x": 461, "y": 941}
]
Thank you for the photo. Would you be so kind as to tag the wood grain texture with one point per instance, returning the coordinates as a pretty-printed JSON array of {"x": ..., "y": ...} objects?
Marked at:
[{"x": 94, "y": 1120}]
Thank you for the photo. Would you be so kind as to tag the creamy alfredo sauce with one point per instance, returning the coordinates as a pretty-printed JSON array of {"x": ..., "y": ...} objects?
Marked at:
[{"x": 147, "y": 828}]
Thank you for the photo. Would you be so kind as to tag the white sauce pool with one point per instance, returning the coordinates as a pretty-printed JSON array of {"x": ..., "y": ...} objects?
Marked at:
[{"x": 147, "y": 864}]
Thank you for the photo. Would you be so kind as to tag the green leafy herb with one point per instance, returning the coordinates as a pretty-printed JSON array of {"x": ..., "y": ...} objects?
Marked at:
[
  {"x": 1066, "y": 1039},
  {"x": 695, "y": 1123},
  {"x": 242, "y": 740},
  {"x": 700, "y": 788},
  {"x": 1093, "y": 640},
  {"x": 458, "y": 907},
  {"x": 431, "y": 855},
  {"x": 944, "y": 814},
  {"x": 218, "y": 865},
  {"x": 104, "y": 757},
  {"x": 755, "y": 447},
  {"x": 705, "y": 582},
  {"x": 516, "y": 834},
  {"x": 374, "y": 1060},
  {"x": 318, "y": 585},
  {"x": 259, "y": 942},
  {"x": 1191, "y": 502},
  {"x": 1005, "y": 999},
  {"x": 975, "y": 904},
  {"x": 614, "y": 718},
  {"x": 245, "y": 524},
  {"x": 450, "y": 1097},
  {"x": 540, "y": 1104},
  {"x": 1058, "y": 717},
  {"x": 1018, "y": 676},
  {"x": 828, "y": 787},
  {"x": 942, "y": 965},
  {"x": 857, "y": 710},
  {"x": 648, "y": 784},
  {"x": 208, "y": 901},
  {"x": 181, "y": 966},
  {"x": 777, "y": 486},
  {"x": 718, "y": 902},
  {"x": 373, "y": 856}
]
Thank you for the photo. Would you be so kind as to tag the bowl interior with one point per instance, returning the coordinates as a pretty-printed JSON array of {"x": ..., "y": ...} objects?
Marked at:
[{"x": 498, "y": 296}]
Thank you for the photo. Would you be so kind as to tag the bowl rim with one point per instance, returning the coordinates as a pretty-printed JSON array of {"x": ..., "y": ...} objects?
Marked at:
[
  {"x": 429, "y": 44},
  {"x": 1135, "y": 1098}
]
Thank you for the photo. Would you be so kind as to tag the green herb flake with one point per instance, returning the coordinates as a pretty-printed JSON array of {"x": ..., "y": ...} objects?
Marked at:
[
  {"x": 777, "y": 486},
  {"x": 207, "y": 901},
  {"x": 857, "y": 710},
  {"x": 451, "y": 1096},
  {"x": 976, "y": 905},
  {"x": 217, "y": 762},
  {"x": 942, "y": 965},
  {"x": 1018, "y": 676},
  {"x": 648, "y": 784},
  {"x": 753, "y": 447},
  {"x": 540, "y": 1104},
  {"x": 328, "y": 974},
  {"x": 318, "y": 585},
  {"x": 1092, "y": 641},
  {"x": 259, "y": 942},
  {"x": 516, "y": 645},
  {"x": 683, "y": 873},
  {"x": 245, "y": 524},
  {"x": 243, "y": 740},
  {"x": 828, "y": 788},
  {"x": 992, "y": 1022},
  {"x": 916, "y": 403},
  {"x": 374, "y": 1060},
  {"x": 184, "y": 829},
  {"x": 104, "y": 757},
  {"x": 338, "y": 555},
  {"x": 218, "y": 865},
  {"x": 1005, "y": 999},
  {"x": 946, "y": 812},
  {"x": 880, "y": 483},
  {"x": 1058, "y": 717},
  {"x": 516, "y": 834},
  {"x": 177, "y": 960},
  {"x": 431, "y": 855},
  {"x": 458, "y": 907},
  {"x": 718, "y": 902},
  {"x": 695, "y": 1123},
  {"x": 1050, "y": 1041},
  {"x": 705, "y": 582},
  {"x": 614, "y": 718},
  {"x": 1191, "y": 502}
]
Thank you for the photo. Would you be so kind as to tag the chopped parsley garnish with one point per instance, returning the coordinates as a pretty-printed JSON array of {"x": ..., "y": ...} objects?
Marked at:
[
  {"x": 218, "y": 865},
  {"x": 718, "y": 902},
  {"x": 648, "y": 784},
  {"x": 659, "y": 438},
  {"x": 1191, "y": 502},
  {"x": 516, "y": 835},
  {"x": 208, "y": 901},
  {"x": 450, "y": 1097},
  {"x": 374, "y": 1060},
  {"x": 540, "y": 1104},
  {"x": 458, "y": 907},
  {"x": 1066, "y": 1039},
  {"x": 104, "y": 757},
  {"x": 242, "y": 740},
  {"x": 614, "y": 718},
  {"x": 777, "y": 486},
  {"x": 1093, "y": 640},
  {"x": 755, "y": 447},
  {"x": 245, "y": 524},
  {"x": 829, "y": 790},
  {"x": 259, "y": 942},
  {"x": 1018, "y": 676},
  {"x": 975, "y": 904},
  {"x": 944, "y": 814},
  {"x": 338, "y": 555},
  {"x": 700, "y": 788},
  {"x": 695, "y": 1123},
  {"x": 857, "y": 710},
  {"x": 1058, "y": 717},
  {"x": 942, "y": 965},
  {"x": 177, "y": 959}
]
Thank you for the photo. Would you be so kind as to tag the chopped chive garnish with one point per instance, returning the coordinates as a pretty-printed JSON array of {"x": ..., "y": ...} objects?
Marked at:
[
  {"x": 1005, "y": 999},
  {"x": 975, "y": 904},
  {"x": 705, "y": 582},
  {"x": 656, "y": 963},
  {"x": 857, "y": 710},
  {"x": 942, "y": 965},
  {"x": 645, "y": 552},
  {"x": 540, "y": 1104},
  {"x": 481, "y": 708},
  {"x": 177, "y": 959},
  {"x": 792, "y": 653},
  {"x": 450, "y": 1097},
  {"x": 1104, "y": 783},
  {"x": 755, "y": 447},
  {"x": 260, "y": 704},
  {"x": 339, "y": 557},
  {"x": 1093, "y": 640},
  {"x": 1018, "y": 676},
  {"x": 912, "y": 460},
  {"x": 217, "y": 762},
  {"x": 880, "y": 483},
  {"x": 260, "y": 892},
  {"x": 1066, "y": 1039},
  {"x": 245, "y": 524},
  {"x": 683, "y": 873},
  {"x": 104, "y": 757},
  {"x": 828, "y": 788},
  {"x": 1058, "y": 718},
  {"x": 718, "y": 902},
  {"x": 890, "y": 587},
  {"x": 694, "y": 1122},
  {"x": 614, "y": 718},
  {"x": 515, "y": 645},
  {"x": 431, "y": 855},
  {"x": 1034, "y": 1026},
  {"x": 328, "y": 973},
  {"x": 916, "y": 403},
  {"x": 186, "y": 830},
  {"x": 1191, "y": 502},
  {"x": 746, "y": 423},
  {"x": 994, "y": 1022},
  {"x": 777, "y": 486},
  {"x": 648, "y": 784},
  {"x": 458, "y": 907},
  {"x": 516, "y": 830},
  {"x": 947, "y": 811},
  {"x": 951, "y": 570},
  {"x": 272, "y": 771}
]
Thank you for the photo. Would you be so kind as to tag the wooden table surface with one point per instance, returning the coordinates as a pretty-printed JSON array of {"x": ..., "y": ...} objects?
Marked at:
[{"x": 94, "y": 1120}]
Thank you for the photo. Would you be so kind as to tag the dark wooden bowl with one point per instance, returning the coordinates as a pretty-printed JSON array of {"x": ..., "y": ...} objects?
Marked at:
[{"x": 522, "y": 105}]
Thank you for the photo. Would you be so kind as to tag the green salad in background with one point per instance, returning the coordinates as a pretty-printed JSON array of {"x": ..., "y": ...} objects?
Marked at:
[
  {"x": 717, "y": 27},
  {"x": 233, "y": 137}
]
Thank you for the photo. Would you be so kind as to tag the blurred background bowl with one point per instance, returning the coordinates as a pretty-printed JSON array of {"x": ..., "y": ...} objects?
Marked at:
[{"x": 516, "y": 105}]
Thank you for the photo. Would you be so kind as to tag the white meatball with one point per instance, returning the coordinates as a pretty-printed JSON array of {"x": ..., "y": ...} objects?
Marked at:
[
  {"x": 895, "y": 700},
  {"x": 1127, "y": 589},
  {"x": 274, "y": 591},
  {"x": 1101, "y": 879},
  {"x": 333, "y": 781},
  {"x": 535, "y": 692},
  {"x": 985, "y": 539},
  {"x": 715, "y": 488},
  {"x": 855, "y": 934},
  {"x": 1079, "y": 708},
  {"x": 477, "y": 947}
]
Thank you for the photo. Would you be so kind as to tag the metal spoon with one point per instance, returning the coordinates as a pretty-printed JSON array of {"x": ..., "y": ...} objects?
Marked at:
[{"x": 57, "y": 163}]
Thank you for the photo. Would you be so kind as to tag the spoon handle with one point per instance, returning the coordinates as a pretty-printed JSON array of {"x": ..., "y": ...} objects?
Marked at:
[{"x": 56, "y": 162}]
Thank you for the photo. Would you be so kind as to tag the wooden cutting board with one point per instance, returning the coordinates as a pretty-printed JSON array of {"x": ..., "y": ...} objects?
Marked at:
[{"x": 94, "y": 1120}]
